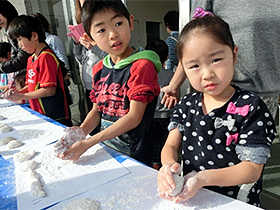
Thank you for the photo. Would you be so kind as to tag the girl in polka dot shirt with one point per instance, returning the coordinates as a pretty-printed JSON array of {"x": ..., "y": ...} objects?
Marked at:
[{"x": 225, "y": 133}]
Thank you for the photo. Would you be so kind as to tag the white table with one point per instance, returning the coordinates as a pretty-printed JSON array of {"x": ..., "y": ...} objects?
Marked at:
[{"x": 132, "y": 186}]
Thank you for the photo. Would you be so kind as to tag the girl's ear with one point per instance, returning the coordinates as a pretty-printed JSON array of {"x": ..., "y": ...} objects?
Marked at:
[
  {"x": 87, "y": 37},
  {"x": 235, "y": 51}
]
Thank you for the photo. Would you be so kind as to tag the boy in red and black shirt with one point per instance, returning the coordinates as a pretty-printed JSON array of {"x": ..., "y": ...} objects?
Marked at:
[
  {"x": 45, "y": 88},
  {"x": 125, "y": 88}
]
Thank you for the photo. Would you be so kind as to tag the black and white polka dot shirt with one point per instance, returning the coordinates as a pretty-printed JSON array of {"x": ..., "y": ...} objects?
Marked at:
[{"x": 242, "y": 129}]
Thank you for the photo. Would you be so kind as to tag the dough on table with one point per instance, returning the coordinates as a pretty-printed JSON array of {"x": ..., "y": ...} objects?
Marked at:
[
  {"x": 5, "y": 128},
  {"x": 6, "y": 140},
  {"x": 14, "y": 144},
  {"x": 179, "y": 184},
  {"x": 82, "y": 204},
  {"x": 35, "y": 186},
  {"x": 28, "y": 165},
  {"x": 24, "y": 155}
]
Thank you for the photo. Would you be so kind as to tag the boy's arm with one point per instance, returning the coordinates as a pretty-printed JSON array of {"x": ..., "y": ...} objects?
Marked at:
[
  {"x": 131, "y": 120},
  {"x": 40, "y": 93},
  {"x": 92, "y": 120},
  {"x": 171, "y": 96}
]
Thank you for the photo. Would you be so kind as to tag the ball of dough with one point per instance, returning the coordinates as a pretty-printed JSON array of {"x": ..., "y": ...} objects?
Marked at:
[
  {"x": 24, "y": 155},
  {"x": 82, "y": 204},
  {"x": 6, "y": 140},
  {"x": 28, "y": 165},
  {"x": 5, "y": 129},
  {"x": 14, "y": 144},
  {"x": 179, "y": 184}
]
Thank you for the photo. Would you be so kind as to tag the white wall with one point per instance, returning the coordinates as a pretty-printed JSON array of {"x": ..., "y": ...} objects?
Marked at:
[{"x": 149, "y": 10}]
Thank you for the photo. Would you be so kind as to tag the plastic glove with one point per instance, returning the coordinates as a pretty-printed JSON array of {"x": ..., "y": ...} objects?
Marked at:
[
  {"x": 72, "y": 135},
  {"x": 166, "y": 183}
]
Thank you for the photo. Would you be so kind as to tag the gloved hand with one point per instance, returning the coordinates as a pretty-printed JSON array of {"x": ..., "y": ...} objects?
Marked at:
[{"x": 72, "y": 135}]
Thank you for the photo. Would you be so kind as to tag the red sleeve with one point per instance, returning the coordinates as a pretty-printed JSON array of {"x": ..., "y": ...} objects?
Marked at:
[
  {"x": 143, "y": 82},
  {"x": 48, "y": 71},
  {"x": 97, "y": 67}
]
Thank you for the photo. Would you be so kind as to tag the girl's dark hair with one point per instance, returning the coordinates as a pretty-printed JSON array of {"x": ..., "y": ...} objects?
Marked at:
[
  {"x": 5, "y": 47},
  {"x": 24, "y": 25},
  {"x": 160, "y": 47},
  {"x": 43, "y": 20},
  {"x": 90, "y": 8},
  {"x": 171, "y": 20},
  {"x": 8, "y": 11},
  {"x": 213, "y": 26}
]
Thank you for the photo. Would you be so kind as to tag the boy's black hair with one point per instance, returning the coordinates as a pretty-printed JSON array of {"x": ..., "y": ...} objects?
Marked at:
[
  {"x": 171, "y": 20},
  {"x": 90, "y": 8},
  {"x": 8, "y": 11},
  {"x": 44, "y": 22},
  {"x": 160, "y": 47},
  {"x": 5, "y": 47},
  {"x": 24, "y": 25}
]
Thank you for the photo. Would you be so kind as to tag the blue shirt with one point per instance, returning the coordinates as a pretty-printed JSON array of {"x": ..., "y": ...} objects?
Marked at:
[{"x": 172, "y": 60}]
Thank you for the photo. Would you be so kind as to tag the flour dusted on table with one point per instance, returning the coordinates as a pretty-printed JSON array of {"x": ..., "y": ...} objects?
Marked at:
[{"x": 82, "y": 204}]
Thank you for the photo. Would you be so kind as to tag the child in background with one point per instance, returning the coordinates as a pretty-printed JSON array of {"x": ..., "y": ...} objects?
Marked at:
[
  {"x": 162, "y": 114},
  {"x": 171, "y": 21},
  {"x": 45, "y": 86},
  {"x": 225, "y": 132},
  {"x": 5, "y": 55},
  {"x": 11, "y": 78},
  {"x": 125, "y": 88}
]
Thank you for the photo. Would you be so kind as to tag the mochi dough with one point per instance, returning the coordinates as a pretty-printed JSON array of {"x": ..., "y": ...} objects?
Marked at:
[
  {"x": 5, "y": 128},
  {"x": 179, "y": 184},
  {"x": 14, "y": 144},
  {"x": 6, "y": 140},
  {"x": 35, "y": 186},
  {"x": 24, "y": 155},
  {"x": 28, "y": 165}
]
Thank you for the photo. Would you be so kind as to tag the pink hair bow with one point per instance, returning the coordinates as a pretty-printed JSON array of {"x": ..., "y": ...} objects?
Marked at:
[
  {"x": 232, "y": 109},
  {"x": 230, "y": 138},
  {"x": 200, "y": 12}
]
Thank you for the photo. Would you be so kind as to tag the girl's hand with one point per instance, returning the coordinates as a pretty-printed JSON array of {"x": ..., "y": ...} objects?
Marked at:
[
  {"x": 192, "y": 185},
  {"x": 165, "y": 182}
]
